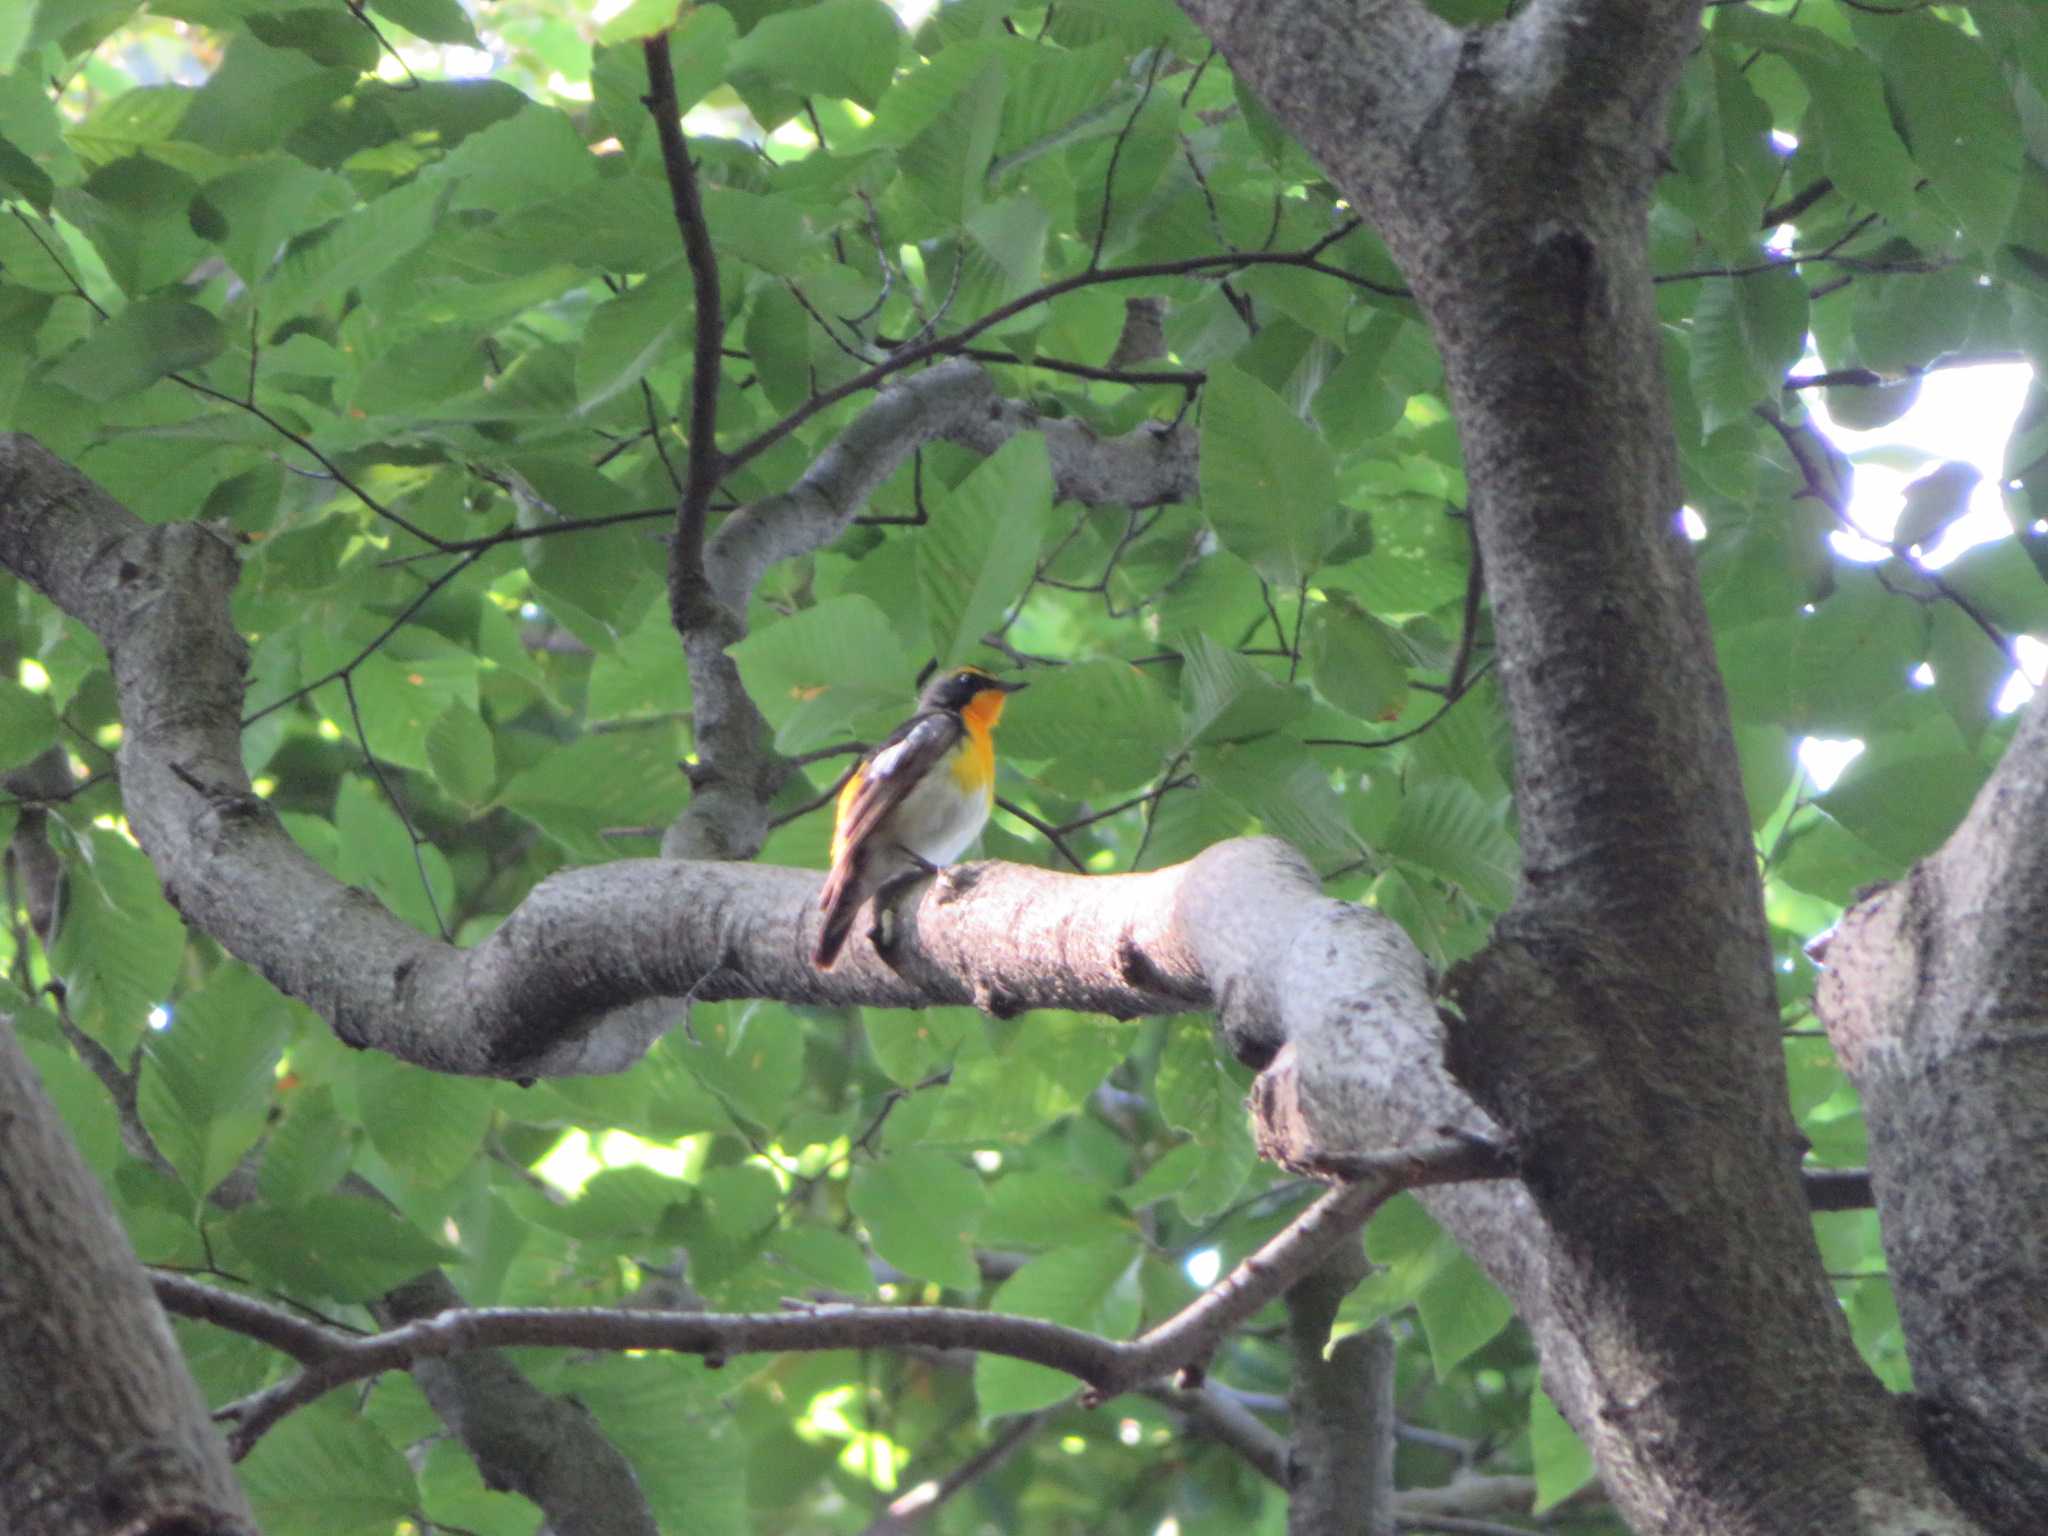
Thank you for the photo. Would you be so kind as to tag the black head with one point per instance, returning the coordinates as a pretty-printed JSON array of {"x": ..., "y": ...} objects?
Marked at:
[{"x": 958, "y": 687}]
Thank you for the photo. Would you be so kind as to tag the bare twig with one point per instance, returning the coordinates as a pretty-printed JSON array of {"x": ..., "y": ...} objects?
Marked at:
[{"x": 1105, "y": 1367}]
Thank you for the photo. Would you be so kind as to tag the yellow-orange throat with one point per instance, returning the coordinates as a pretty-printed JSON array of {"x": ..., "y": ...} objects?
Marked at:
[{"x": 975, "y": 766}]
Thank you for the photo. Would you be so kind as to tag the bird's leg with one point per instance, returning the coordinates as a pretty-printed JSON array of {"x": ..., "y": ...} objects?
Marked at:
[{"x": 892, "y": 890}]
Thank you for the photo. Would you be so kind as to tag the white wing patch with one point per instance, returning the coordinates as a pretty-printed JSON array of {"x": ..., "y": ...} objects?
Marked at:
[{"x": 889, "y": 759}]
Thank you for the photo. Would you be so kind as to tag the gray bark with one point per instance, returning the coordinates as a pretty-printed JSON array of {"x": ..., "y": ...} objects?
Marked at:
[
  {"x": 1936, "y": 998},
  {"x": 1621, "y": 1026},
  {"x": 101, "y": 1427}
]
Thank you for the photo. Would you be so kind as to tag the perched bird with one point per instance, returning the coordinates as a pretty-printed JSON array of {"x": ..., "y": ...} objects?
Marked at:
[{"x": 915, "y": 802}]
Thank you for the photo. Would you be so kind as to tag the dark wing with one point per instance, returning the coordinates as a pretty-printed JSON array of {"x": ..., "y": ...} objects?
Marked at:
[{"x": 896, "y": 766}]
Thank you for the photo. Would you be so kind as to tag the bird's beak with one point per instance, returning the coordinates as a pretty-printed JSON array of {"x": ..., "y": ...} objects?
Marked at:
[{"x": 1013, "y": 687}]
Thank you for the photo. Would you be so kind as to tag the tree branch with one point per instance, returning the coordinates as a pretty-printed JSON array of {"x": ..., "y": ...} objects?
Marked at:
[
  {"x": 1935, "y": 996},
  {"x": 1106, "y": 1367},
  {"x": 549, "y": 992},
  {"x": 102, "y": 1424}
]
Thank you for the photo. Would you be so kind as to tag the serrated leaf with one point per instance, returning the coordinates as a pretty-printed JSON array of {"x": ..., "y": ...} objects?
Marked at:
[
  {"x": 325, "y": 1472},
  {"x": 334, "y": 1245},
  {"x": 1069, "y": 704},
  {"x": 1269, "y": 481},
  {"x": 1092, "y": 1286},
  {"x": 207, "y": 1079},
  {"x": 438, "y": 21},
  {"x": 140, "y": 345},
  {"x": 1933, "y": 502},
  {"x": 1562, "y": 1463},
  {"x": 1224, "y": 697},
  {"x": 460, "y": 751},
  {"x": 1049, "y": 1208},
  {"x": 1722, "y": 153},
  {"x": 826, "y": 1258},
  {"x": 1960, "y": 121},
  {"x": 910, "y": 1044},
  {"x": 844, "y": 48},
  {"x": 1460, "y": 1310},
  {"x": 1287, "y": 790},
  {"x": 119, "y": 945},
  {"x": 1747, "y": 332},
  {"x": 641, "y": 18},
  {"x": 1447, "y": 829},
  {"x": 28, "y": 724},
  {"x": 309, "y": 1151},
  {"x": 1354, "y": 660},
  {"x": 976, "y": 556},
  {"x": 628, "y": 335},
  {"x": 814, "y": 672},
  {"x": 922, "y": 1210},
  {"x": 427, "y": 1125},
  {"x": 642, "y": 787}
]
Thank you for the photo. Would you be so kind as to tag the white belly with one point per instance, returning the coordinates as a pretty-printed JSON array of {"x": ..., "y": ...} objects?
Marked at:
[{"x": 938, "y": 823}]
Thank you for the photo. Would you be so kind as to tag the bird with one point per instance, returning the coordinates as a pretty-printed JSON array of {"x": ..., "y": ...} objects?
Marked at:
[{"x": 917, "y": 801}]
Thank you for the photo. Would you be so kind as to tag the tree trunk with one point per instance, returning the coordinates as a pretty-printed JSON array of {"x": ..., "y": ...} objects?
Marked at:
[{"x": 101, "y": 1427}]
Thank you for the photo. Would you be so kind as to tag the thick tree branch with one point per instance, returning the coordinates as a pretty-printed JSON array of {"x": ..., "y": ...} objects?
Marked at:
[
  {"x": 1936, "y": 998},
  {"x": 1342, "y": 1455},
  {"x": 102, "y": 1425},
  {"x": 1622, "y": 1027},
  {"x": 545, "y": 1448},
  {"x": 550, "y": 991}
]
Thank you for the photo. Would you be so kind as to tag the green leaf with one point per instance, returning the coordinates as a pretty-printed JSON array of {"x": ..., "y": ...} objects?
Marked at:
[
  {"x": 138, "y": 346},
  {"x": 1747, "y": 332},
  {"x": 642, "y": 787},
  {"x": 208, "y": 1079},
  {"x": 1289, "y": 792},
  {"x": 325, "y": 1472},
  {"x": 976, "y": 556},
  {"x": 119, "y": 945},
  {"x": 1224, "y": 697},
  {"x": 1067, "y": 705},
  {"x": 1269, "y": 481},
  {"x": 1959, "y": 119},
  {"x": 843, "y": 48},
  {"x": 438, "y": 21},
  {"x": 1050, "y": 1208},
  {"x": 459, "y": 749},
  {"x": 628, "y": 336},
  {"x": 816, "y": 671},
  {"x": 309, "y": 1151},
  {"x": 377, "y": 852},
  {"x": 1563, "y": 1464},
  {"x": 1933, "y": 502},
  {"x": 910, "y": 1044},
  {"x": 1860, "y": 150},
  {"x": 826, "y": 1258},
  {"x": 333, "y": 1245},
  {"x": 1092, "y": 1286},
  {"x": 1721, "y": 149},
  {"x": 28, "y": 724},
  {"x": 750, "y": 1055},
  {"x": 427, "y": 1125},
  {"x": 1447, "y": 829},
  {"x": 922, "y": 1210},
  {"x": 1460, "y": 1310},
  {"x": 1354, "y": 660},
  {"x": 642, "y": 18}
]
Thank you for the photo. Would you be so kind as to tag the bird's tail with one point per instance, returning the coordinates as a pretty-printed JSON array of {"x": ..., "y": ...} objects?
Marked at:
[{"x": 840, "y": 900}]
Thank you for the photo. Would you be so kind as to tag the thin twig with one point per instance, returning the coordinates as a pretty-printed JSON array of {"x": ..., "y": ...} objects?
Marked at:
[
  {"x": 419, "y": 858},
  {"x": 1116, "y": 151},
  {"x": 687, "y": 582}
]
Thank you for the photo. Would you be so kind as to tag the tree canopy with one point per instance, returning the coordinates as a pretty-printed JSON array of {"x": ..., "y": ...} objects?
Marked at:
[{"x": 540, "y": 453}]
